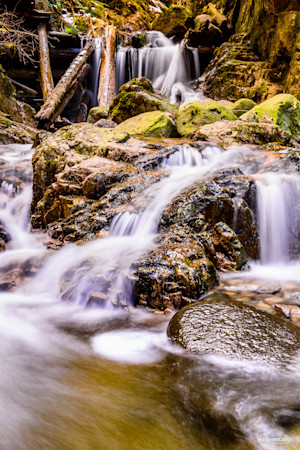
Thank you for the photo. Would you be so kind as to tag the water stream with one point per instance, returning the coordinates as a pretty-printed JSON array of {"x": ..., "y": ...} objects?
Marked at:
[
  {"x": 84, "y": 378},
  {"x": 170, "y": 67}
]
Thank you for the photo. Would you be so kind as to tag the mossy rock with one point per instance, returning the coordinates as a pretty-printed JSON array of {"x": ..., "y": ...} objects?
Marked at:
[
  {"x": 217, "y": 17},
  {"x": 218, "y": 325},
  {"x": 240, "y": 132},
  {"x": 242, "y": 105},
  {"x": 14, "y": 132},
  {"x": 282, "y": 110},
  {"x": 137, "y": 84},
  {"x": 174, "y": 21},
  {"x": 137, "y": 97},
  {"x": 193, "y": 115},
  {"x": 151, "y": 124},
  {"x": 97, "y": 113}
]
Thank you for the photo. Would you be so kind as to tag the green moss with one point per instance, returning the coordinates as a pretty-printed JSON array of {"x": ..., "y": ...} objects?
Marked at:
[
  {"x": 97, "y": 113},
  {"x": 242, "y": 105},
  {"x": 154, "y": 124},
  {"x": 282, "y": 109},
  {"x": 193, "y": 115},
  {"x": 174, "y": 20}
]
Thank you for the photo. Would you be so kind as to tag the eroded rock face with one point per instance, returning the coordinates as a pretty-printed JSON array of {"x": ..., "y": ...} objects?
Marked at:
[{"x": 217, "y": 325}]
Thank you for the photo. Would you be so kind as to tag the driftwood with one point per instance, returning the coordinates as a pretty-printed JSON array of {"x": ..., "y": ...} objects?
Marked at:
[
  {"x": 23, "y": 87},
  {"x": 53, "y": 103},
  {"x": 47, "y": 84},
  {"x": 107, "y": 78}
]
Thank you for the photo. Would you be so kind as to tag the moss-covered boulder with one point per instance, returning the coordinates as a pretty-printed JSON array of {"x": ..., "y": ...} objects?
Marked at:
[
  {"x": 97, "y": 113},
  {"x": 282, "y": 110},
  {"x": 193, "y": 115},
  {"x": 151, "y": 124},
  {"x": 242, "y": 105},
  {"x": 9, "y": 105},
  {"x": 137, "y": 97},
  {"x": 174, "y": 21},
  {"x": 217, "y": 325},
  {"x": 12, "y": 132},
  {"x": 232, "y": 132}
]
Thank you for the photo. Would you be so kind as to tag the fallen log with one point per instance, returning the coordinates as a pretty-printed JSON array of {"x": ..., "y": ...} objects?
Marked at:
[
  {"x": 51, "y": 106},
  {"x": 24, "y": 88},
  {"x": 70, "y": 93},
  {"x": 107, "y": 78},
  {"x": 47, "y": 84}
]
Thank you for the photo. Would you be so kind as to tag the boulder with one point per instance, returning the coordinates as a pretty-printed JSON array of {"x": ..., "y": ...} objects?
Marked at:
[
  {"x": 151, "y": 124},
  {"x": 206, "y": 33},
  {"x": 193, "y": 115},
  {"x": 282, "y": 110},
  {"x": 10, "y": 106},
  {"x": 218, "y": 325},
  {"x": 97, "y": 113},
  {"x": 174, "y": 21},
  {"x": 106, "y": 123},
  {"x": 137, "y": 97},
  {"x": 12, "y": 132},
  {"x": 240, "y": 132},
  {"x": 242, "y": 105}
]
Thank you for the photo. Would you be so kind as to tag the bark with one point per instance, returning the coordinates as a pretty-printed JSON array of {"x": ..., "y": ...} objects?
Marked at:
[
  {"x": 107, "y": 78},
  {"x": 69, "y": 94},
  {"x": 52, "y": 105},
  {"x": 47, "y": 84}
]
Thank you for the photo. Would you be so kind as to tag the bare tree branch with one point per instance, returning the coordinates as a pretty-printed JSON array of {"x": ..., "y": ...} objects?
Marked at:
[{"x": 15, "y": 39}]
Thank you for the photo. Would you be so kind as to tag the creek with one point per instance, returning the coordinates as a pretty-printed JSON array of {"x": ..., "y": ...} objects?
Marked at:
[{"x": 81, "y": 378}]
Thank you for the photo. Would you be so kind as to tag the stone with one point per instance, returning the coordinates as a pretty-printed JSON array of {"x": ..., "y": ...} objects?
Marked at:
[
  {"x": 151, "y": 124},
  {"x": 137, "y": 97},
  {"x": 12, "y": 132},
  {"x": 242, "y": 105},
  {"x": 240, "y": 132},
  {"x": 106, "y": 123},
  {"x": 282, "y": 110},
  {"x": 174, "y": 21},
  {"x": 193, "y": 115},
  {"x": 217, "y": 325},
  {"x": 97, "y": 113}
]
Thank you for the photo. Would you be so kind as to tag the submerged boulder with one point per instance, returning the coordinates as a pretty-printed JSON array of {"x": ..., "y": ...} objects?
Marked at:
[
  {"x": 137, "y": 97},
  {"x": 193, "y": 115},
  {"x": 282, "y": 110},
  {"x": 218, "y": 325},
  {"x": 151, "y": 124},
  {"x": 174, "y": 21}
]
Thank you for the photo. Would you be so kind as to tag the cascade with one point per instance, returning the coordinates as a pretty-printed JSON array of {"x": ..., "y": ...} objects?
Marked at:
[
  {"x": 278, "y": 203},
  {"x": 92, "y": 80},
  {"x": 170, "y": 67}
]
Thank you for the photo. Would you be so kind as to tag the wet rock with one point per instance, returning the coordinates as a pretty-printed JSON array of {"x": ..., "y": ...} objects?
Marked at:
[
  {"x": 151, "y": 124},
  {"x": 240, "y": 132},
  {"x": 220, "y": 326},
  {"x": 282, "y": 110},
  {"x": 12, "y": 132},
  {"x": 193, "y": 115},
  {"x": 174, "y": 21},
  {"x": 137, "y": 97},
  {"x": 225, "y": 240},
  {"x": 242, "y": 105},
  {"x": 106, "y": 123},
  {"x": 97, "y": 113}
]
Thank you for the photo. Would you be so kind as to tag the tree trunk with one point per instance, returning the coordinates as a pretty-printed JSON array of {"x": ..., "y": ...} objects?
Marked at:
[
  {"x": 47, "y": 84},
  {"x": 50, "y": 107},
  {"x": 107, "y": 79}
]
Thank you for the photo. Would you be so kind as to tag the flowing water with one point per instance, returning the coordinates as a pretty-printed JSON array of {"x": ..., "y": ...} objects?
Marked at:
[
  {"x": 107, "y": 378},
  {"x": 170, "y": 67}
]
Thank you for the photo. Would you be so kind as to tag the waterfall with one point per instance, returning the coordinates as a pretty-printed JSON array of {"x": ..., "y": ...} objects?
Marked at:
[
  {"x": 92, "y": 81},
  {"x": 278, "y": 202},
  {"x": 170, "y": 67}
]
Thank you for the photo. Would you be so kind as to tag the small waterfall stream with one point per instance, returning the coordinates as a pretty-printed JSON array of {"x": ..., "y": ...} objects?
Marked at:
[
  {"x": 170, "y": 67},
  {"x": 100, "y": 377}
]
